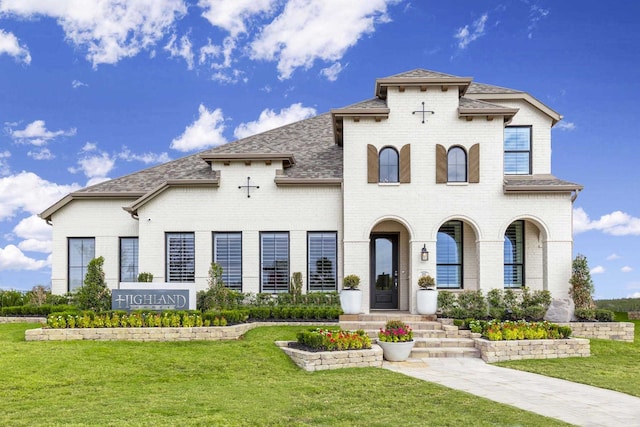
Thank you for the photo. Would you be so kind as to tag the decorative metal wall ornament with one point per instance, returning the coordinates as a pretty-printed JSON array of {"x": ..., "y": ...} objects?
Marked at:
[
  {"x": 248, "y": 186},
  {"x": 423, "y": 111}
]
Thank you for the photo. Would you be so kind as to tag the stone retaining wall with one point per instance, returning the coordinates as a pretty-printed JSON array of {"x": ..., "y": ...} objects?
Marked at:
[
  {"x": 323, "y": 360},
  {"x": 634, "y": 315},
  {"x": 211, "y": 333},
  {"x": 617, "y": 331},
  {"x": 499, "y": 351},
  {"x": 23, "y": 320}
]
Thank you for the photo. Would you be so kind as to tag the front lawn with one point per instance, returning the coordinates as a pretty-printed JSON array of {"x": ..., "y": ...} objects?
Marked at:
[
  {"x": 244, "y": 382},
  {"x": 612, "y": 365}
]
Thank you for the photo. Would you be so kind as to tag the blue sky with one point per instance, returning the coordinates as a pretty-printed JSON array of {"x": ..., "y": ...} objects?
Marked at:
[{"x": 95, "y": 89}]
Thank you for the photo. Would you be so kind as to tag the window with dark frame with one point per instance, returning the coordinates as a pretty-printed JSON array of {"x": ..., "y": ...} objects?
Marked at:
[
  {"x": 449, "y": 256},
  {"x": 322, "y": 257},
  {"x": 81, "y": 250},
  {"x": 274, "y": 262},
  {"x": 181, "y": 263},
  {"x": 388, "y": 166},
  {"x": 227, "y": 252},
  {"x": 128, "y": 259},
  {"x": 514, "y": 255},
  {"x": 456, "y": 165},
  {"x": 517, "y": 150}
]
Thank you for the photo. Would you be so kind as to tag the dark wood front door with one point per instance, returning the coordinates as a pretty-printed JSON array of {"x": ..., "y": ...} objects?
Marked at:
[{"x": 384, "y": 271}]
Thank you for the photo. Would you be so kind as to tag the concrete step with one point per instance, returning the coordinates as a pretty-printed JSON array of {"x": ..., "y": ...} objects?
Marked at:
[
  {"x": 434, "y": 334},
  {"x": 372, "y": 324},
  {"x": 423, "y": 352},
  {"x": 384, "y": 316},
  {"x": 444, "y": 343}
]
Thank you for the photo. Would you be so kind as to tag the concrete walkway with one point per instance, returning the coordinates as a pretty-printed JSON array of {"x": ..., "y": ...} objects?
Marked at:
[{"x": 571, "y": 402}]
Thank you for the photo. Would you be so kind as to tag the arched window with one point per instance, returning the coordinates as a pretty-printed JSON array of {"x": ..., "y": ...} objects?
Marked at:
[
  {"x": 456, "y": 165},
  {"x": 388, "y": 165},
  {"x": 514, "y": 255},
  {"x": 449, "y": 255}
]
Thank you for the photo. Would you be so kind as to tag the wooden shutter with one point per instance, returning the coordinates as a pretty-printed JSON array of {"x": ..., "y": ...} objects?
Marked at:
[
  {"x": 372, "y": 164},
  {"x": 474, "y": 164},
  {"x": 441, "y": 164},
  {"x": 405, "y": 164}
]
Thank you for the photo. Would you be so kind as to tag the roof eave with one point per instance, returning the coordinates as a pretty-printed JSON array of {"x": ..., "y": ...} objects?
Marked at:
[
  {"x": 287, "y": 158},
  {"x": 554, "y": 115},
  {"x": 78, "y": 195},
  {"x": 506, "y": 113},
  {"x": 356, "y": 114},
  {"x": 315, "y": 182},
  {"x": 147, "y": 197}
]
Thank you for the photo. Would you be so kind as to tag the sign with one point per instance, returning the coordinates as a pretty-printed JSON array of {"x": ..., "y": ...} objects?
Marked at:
[{"x": 150, "y": 299}]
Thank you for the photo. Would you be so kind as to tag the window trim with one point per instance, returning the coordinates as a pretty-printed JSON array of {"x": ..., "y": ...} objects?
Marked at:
[
  {"x": 213, "y": 257},
  {"x": 530, "y": 150},
  {"x": 461, "y": 257},
  {"x": 166, "y": 252},
  {"x": 137, "y": 260},
  {"x": 523, "y": 264},
  {"x": 397, "y": 177},
  {"x": 69, "y": 239},
  {"x": 275, "y": 291},
  {"x": 466, "y": 165},
  {"x": 335, "y": 285}
]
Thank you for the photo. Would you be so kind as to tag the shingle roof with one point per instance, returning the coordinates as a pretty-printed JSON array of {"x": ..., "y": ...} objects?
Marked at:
[
  {"x": 421, "y": 73},
  {"x": 477, "y": 104},
  {"x": 544, "y": 182},
  {"x": 485, "y": 88}
]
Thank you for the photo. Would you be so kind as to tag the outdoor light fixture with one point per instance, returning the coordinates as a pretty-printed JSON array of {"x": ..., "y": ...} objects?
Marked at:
[{"x": 424, "y": 253}]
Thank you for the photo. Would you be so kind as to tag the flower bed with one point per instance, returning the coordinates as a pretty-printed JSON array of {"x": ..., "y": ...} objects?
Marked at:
[
  {"x": 334, "y": 340},
  {"x": 495, "y": 330},
  {"x": 324, "y": 360}
]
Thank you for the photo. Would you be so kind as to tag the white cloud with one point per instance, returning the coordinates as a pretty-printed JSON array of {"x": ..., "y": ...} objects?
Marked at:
[
  {"x": 10, "y": 45},
  {"x": 308, "y": 30},
  {"x": 36, "y": 133},
  {"x": 109, "y": 30},
  {"x": 205, "y": 131},
  {"x": 77, "y": 83},
  {"x": 36, "y": 234},
  {"x": 634, "y": 295},
  {"x": 4, "y": 165},
  {"x": 598, "y": 269},
  {"x": 96, "y": 167},
  {"x": 90, "y": 146},
  {"x": 617, "y": 223},
  {"x": 146, "y": 158},
  {"x": 626, "y": 269},
  {"x": 27, "y": 192},
  {"x": 12, "y": 258},
  {"x": 269, "y": 119},
  {"x": 567, "y": 126},
  {"x": 613, "y": 257},
  {"x": 41, "y": 154},
  {"x": 535, "y": 15},
  {"x": 331, "y": 73},
  {"x": 181, "y": 49},
  {"x": 233, "y": 15},
  {"x": 466, "y": 36}
]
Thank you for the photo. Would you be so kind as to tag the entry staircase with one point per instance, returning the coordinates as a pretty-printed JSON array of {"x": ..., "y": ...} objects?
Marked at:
[{"x": 433, "y": 337}]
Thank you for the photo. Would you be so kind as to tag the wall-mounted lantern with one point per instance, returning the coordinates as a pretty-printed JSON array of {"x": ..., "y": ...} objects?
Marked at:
[{"x": 424, "y": 253}]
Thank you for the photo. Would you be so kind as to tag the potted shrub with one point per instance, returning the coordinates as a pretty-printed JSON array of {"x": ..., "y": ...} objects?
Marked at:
[
  {"x": 396, "y": 340},
  {"x": 427, "y": 300},
  {"x": 351, "y": 296}
]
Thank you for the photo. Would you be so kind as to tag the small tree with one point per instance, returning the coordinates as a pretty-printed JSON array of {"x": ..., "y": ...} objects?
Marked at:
[
  {"x": 581, "y": 284},
  {"x": 94, "y": 295},
  {"x": 295, "y": 287},
  {"x": 217, "y": 296}
]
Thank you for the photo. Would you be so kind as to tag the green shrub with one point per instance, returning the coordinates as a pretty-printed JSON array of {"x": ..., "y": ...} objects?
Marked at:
[
  {"x": 94, "y": 294},
  {"x": 145, "y": 277},
  {"x": 581, "y": 284},
  {"x": 446, "y": 302},
  {"x": 260, "y": 313},
  {"x": 351, "y": 281},
  {"x": 473, "y": 303},
  {"x": 585, "y": 314},
  {"x": 334, "y": 339},
  {"x": 534, "y": 313},
  {"x": 603, "y": 315}
]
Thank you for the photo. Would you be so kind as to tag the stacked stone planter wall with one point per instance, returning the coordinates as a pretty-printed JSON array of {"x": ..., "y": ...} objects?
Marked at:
[
  {"x": 499, "y": 351},
  {"x": 634, "y": 315},
  {"x": 23, "y": 320},
  {"x": 211, "y": 333},
  {"x": 324, "y": 360},
  {"x": 617, "y": 331}
]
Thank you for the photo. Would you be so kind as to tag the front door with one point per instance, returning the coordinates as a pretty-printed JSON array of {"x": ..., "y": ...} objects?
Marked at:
[{"x": 384, "y": 271}]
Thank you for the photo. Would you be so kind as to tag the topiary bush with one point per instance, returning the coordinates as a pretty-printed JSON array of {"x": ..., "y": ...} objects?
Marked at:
[{"x": 94, "y": 294}]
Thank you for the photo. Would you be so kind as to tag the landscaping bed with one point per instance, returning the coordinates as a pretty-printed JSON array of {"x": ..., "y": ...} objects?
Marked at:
[
  {"x": 500, "y": 351},
  {"x": 324, "y": 360}
]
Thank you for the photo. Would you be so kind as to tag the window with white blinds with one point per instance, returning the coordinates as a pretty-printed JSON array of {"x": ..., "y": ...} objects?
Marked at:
[
  {"x": 128, "y": 259},
  {"x": 274, "y": 262},
  {"x": 181, "y": 264},
  {"x": 227, "y": 252},
  {"x": 449, "y": 255},
  {"x": 517, "y": 150},
  {"x": 514, "y": 255},
  {"x": 322, "y": 250},
  {"x": 81, "y": 250}
]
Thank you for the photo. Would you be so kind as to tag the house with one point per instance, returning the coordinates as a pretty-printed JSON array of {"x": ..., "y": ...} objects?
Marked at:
[{"x": 436, "y": 174}]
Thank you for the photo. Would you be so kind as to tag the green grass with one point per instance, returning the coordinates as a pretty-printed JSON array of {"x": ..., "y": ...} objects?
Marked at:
[
  {"x": 613, "y": 364},
  {"x": 244, "y": 382}
]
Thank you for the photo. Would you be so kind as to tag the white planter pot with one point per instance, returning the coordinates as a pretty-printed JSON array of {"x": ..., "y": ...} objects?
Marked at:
[
  {"x": 427, "y": 301},
  {"x": 396, "y": 351},
  {"x": 351, "y": 301}
]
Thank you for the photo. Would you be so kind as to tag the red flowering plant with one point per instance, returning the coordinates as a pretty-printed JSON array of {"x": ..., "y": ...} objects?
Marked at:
[
  {"x": 395, "y": 331},
  {"x": 334, "y": 339}
]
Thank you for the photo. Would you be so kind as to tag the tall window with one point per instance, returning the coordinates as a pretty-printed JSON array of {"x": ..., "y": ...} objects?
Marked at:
[
  {"x": 322, "y": 251},
  {"x": 449, "y": 255},
  {"x": 128, "y": 259},
  {"x": 514, "y": 255},
  {"x": 388, "y": 165},
  {"x": 274, "y": 262},
  {"x": 517, "y": 150},
  {"x": 227, "y": 252},
  {"x": 181, "y": 262},
  {"x": 81, "y": 251},
  {"x": 456, "y": 165}
]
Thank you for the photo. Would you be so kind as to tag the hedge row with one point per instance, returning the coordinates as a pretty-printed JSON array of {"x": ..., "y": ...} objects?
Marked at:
[{"x": 33, "y": 310}]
